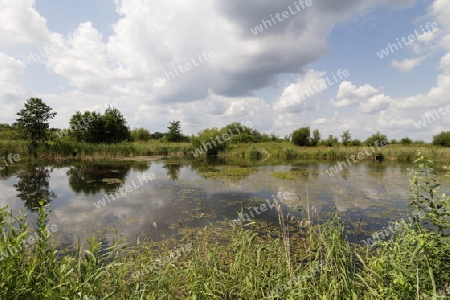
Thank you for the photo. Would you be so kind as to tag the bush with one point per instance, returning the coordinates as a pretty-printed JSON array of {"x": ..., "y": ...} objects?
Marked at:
[
  {"x": 301, "y": 136},
  {"x": 356, "y": 142},
  {"x": 406, "y": 141},
  {"x": 206, "y": 141},
  {"x": 331, "y": 141},
  {"x": 140, "y": 134}
]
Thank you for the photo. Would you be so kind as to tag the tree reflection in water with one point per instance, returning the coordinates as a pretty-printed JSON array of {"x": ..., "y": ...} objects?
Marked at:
[
  {"x": 92, "y": 178},
  {"x": 33, "y": 186},
  {"x": 173, "y": 170}
]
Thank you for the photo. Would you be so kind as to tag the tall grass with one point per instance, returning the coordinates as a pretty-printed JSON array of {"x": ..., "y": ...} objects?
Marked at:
[
  {"x": 287, "y": 150},
  {"x": 63, "y": 149},
  {"x": 301, "y": 261}
]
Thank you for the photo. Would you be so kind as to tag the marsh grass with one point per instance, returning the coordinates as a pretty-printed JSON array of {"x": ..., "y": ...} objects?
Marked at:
[
  {"x": 65, "y": 149},
  {"x": 286, "y": 150},
  {"x": 253, "y": 261}
]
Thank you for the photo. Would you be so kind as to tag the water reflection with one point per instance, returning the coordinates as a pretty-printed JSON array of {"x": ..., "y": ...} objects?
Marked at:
[
  {"x": 92, "y": 178},
  {"x": 377, "y": 169},
  {"x": 34, "y": 187},
  {"x": 173, "y": 170},
  {"x": 198, "y": 191}
]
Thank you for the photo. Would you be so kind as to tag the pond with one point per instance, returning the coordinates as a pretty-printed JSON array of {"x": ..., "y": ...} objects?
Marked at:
[{"x": 154, "y": 199}]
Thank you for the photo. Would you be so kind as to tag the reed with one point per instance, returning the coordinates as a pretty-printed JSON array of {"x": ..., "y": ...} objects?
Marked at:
[{"x": 63, "y": 149}]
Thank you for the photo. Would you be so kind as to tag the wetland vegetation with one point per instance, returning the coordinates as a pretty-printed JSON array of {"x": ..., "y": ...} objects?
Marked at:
[{"x": 292, "y": 252}]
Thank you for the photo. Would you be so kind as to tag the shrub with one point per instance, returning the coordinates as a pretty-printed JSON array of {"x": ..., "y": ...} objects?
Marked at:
[
  {"x": 356, "y": 142},
  {"x": 301, "y": 136},
  {"x": 406, "y": 141}
]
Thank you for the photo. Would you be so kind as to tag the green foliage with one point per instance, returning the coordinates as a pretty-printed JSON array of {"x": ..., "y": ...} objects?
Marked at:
[
  {"x": 346, "y": 138},
  {"x": 301, "y": 136},
  {"x": 207, "y": 140},
  {"x": 115, "y": 126},
  {"x": 331, "y": 141},
  {"x": 8, "y": 132},
  {"x": 240, "y": 133},
  {"x": 375, "y": 139},
  {"x": 80, "y": 126},
  {"x": 213, "y": 140},
  {"x": 270, "y": 138},
  {"x": 315, "y": 138},
  {"x": 393, "y": 142},
  {"x": 356, "y": 142},
  {"x": 33, "y": 123},
  {"x": 251, "y": 262},
  {"x": 425, "y": 197},
  {"x": 140, "y": 134},
  {"x": 157, "y": 135},
  {"x": 406, "y": 141},
  {"x": 174, "y": 134},
  {"x": 93, "y": 127},
  {"x": 442, "y": 139}
]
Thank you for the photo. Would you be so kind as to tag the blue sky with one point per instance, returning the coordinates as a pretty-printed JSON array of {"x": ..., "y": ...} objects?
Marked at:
[{"x": 122, "y": 47}]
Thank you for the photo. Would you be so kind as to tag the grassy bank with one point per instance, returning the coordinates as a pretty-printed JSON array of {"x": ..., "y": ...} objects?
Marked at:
[
  {"x": 64, "y": 150},
  {"x": 279, "y": 150},
  {"x": 289, "y": 151},
  {"x": 297, "y": 260}
]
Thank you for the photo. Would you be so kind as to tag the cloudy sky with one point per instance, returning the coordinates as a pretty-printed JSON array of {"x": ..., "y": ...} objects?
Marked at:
[{"x": 279, "y": 64}]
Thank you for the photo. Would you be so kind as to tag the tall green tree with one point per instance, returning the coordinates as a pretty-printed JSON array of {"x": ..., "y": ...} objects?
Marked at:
[
  {"x": 174, "y": 132},
  {"x": 331, "y": 141},
  {"x": 116, "y": 129},
  {"x": 33, "y": 123},
  {"x": 315, "y": 139},
  {"x": 79, "y": 124},
  {"x": 346, "y": 137}
]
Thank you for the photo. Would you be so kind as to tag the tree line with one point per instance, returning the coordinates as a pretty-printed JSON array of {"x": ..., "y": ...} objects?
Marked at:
[{"x": 111, "y": 126}]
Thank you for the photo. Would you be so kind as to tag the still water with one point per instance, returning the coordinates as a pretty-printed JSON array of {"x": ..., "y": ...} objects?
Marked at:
[{"x": 195, "y": 193}]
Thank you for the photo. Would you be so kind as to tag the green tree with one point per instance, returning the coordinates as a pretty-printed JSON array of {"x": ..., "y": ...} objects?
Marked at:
[
  {"x": 346, "y": 137},
  {"x": 96, "y": 128},
  {"x": 174, "y": 134},
  {"x": 301, "y": 136},
  {"x": 331, "y": 141},
  {"x": 116, "y": 129},
  {"x": 315, "y": 138},
  {"x": 33, "y": 123},
  {"x": 406, "y": 141},
  {"x": 442, "y": 139},
  {"x": 79, "y": 125},
  {"x": 376, "y": 138}
]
